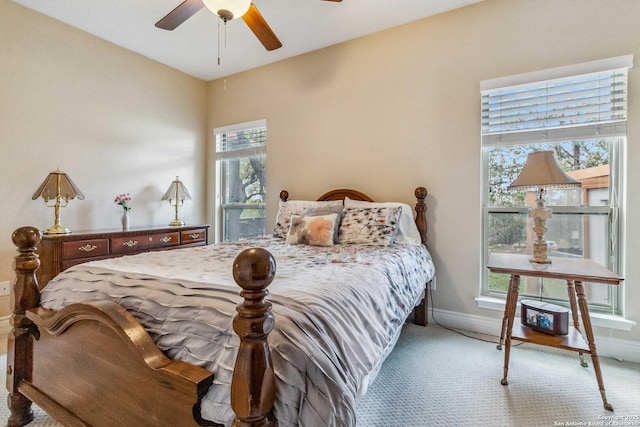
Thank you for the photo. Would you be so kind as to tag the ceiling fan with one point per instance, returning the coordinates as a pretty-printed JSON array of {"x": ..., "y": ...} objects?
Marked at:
[{"x": 226, "y": 10}]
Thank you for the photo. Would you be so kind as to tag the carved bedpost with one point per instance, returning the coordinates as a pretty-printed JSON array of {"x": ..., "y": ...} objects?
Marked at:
[
  {"x": 421, "y": 213},
  {"x": 284, "y": 195},
  {"x": 24, "y": 296},
  {"x": 420, "y": 314},
  {"x": 253, "y": 383}
]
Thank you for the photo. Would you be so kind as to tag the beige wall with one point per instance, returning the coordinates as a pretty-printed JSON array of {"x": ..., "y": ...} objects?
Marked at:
[
  {"x": 401, "y": 108},
  {"x": 113, "y": 120},
  {"x": 383, "y": 114}
]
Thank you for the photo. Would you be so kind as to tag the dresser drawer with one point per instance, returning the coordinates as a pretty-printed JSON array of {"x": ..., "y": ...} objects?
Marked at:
[
  {"x": 133, "y": 244},
  {"x": 163, "y": 240},
  {"x": 85, "y": 248},
  {"x": 72, "y": 262},
  {"x": 127, "y": 245},
  {"x": 193, "y": 236}
]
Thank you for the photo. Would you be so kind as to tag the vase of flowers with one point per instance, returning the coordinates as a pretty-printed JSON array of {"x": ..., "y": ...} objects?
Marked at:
[{"x": 123, "y": 201}]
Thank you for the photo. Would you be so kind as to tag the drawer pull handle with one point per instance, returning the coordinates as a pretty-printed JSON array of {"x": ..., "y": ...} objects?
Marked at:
[
  {"x": 87, "y": 248},
  {"x": 194, "y": 235},
  {"x": 130, "y": 243},
  {"x": 165, "y": 239}
]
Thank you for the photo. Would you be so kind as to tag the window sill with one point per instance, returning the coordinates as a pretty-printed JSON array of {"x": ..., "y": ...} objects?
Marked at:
[{"x": 597, "y": 319}]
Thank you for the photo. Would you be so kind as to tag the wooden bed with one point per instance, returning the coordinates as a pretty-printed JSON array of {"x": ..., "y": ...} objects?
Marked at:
[{"x": 94, "y": 364}]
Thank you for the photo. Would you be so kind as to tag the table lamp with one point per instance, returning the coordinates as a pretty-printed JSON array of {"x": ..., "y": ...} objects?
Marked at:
[
  {"x": 541, "y": 172},
  {"x": 59, "y": 187},
  {"x": 176, "y": 195}
]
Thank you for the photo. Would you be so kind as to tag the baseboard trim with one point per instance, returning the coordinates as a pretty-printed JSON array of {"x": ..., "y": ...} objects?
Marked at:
[{"x": 607, "y": 346}]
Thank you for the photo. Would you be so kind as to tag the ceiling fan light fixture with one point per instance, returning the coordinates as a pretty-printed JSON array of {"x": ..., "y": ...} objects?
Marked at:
[{"x": 228, "y": 9}]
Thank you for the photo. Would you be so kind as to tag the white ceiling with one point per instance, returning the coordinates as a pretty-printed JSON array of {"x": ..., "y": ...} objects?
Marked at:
[{"x": 301, "y": 26}]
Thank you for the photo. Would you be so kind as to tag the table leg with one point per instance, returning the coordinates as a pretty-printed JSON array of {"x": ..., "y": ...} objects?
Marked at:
[
  {"x": 508, "y": 303},
  {"x": 509, "y": 314},
  {"x": 588, "y": 330},
  {"x": 571, "y": 290}
]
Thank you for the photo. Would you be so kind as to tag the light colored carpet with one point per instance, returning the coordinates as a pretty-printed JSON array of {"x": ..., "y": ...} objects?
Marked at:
[{"x": 436, "y": 377}]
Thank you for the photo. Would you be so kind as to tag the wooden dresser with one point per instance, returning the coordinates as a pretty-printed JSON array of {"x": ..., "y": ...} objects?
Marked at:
[{"x": 57, "y": 253}]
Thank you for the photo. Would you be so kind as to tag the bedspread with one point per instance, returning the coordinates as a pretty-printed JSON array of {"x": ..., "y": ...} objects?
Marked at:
[{"x": 337, "y": 310}]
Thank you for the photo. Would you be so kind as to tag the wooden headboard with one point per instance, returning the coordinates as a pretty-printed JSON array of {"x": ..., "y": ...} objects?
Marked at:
[{"x": 340, "y": 194}]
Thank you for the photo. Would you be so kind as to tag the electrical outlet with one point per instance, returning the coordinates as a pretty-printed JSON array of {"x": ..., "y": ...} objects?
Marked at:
[{"x": 4, "y": 287}]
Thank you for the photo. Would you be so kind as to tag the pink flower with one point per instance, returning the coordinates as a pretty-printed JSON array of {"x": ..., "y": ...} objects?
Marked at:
[{"x": 123, "y": 200}]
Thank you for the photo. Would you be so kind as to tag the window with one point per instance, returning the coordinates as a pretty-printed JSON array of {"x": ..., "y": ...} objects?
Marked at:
[
  {"x": 241, "y": 158},
  {"x": 578, "y": 113}
]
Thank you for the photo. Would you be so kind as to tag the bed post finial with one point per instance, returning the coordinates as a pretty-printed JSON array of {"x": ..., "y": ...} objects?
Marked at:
[
  {"x": 284, "y": 195},
  {"x": 24, "y": 296},
  {"x": 421, "y": 213},
  {"x": 253, "y": 383}
]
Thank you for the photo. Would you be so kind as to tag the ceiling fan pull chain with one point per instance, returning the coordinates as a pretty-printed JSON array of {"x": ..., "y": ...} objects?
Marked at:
[
  {"x": 225, "y": 36},
  {"x": 218, "y": 42}
]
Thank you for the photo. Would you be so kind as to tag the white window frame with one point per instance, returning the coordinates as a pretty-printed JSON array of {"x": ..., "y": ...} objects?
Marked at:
[
  {"x": 516, "y": 135},
  {"x": 220, "y": 206}
]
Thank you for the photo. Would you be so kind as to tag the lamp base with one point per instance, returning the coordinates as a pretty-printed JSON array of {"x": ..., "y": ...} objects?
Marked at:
[
  {"x": 57, "y": 229},
  {"x": 540, "y": 253},
  {"x": 177, "y": 223}
]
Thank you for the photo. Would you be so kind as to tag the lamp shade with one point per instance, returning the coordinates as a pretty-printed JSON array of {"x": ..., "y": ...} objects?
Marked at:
[
  {"x": 542, "y": 171},
  {"x": 58, "y": 184},
  {"x": 177, "y": 192},
  {"x": 176, "y": 195},
  {"x": 58, "y": 187},
  {"x": 228, "y": 9}
]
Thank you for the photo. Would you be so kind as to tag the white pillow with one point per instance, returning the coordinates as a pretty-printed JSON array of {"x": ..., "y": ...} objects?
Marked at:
[
  {"x": 296, "y": 207},
  {"x": 407, "y": 230}
]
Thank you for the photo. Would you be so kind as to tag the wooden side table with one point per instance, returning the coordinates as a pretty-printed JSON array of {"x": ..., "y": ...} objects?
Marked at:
[{"x": 575, "y": 271}]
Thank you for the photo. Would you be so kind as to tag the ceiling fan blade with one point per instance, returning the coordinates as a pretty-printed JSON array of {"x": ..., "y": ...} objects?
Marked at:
[
  {"x": 181, "y": 13},
  {"x": 256, "y": 22}
]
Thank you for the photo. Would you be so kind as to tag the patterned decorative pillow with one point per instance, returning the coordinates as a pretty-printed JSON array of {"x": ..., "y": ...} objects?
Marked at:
[
  {"x": 372, "y": 226},
  {"x": 327, "y": 210},
  {"x": 296, "y": 207},
  {"x": 312, "y": 230},
  {"x": 407, "y": 229}
]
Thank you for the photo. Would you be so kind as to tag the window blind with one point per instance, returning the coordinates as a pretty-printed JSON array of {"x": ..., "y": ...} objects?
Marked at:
[
  {"x": 241, "y": 141},
  {"x": 588, "y": 105}
]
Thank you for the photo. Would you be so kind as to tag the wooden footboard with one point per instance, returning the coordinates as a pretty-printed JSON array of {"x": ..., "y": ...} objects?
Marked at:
[
  {"x": 94, "y": 361},
  {"x": 94, "y": 364}
]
